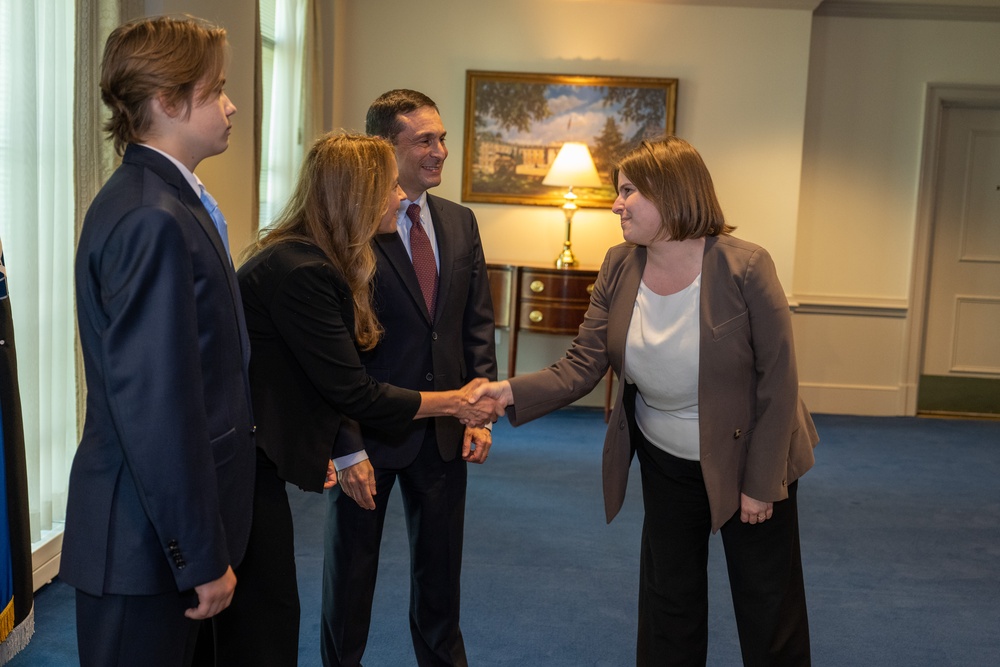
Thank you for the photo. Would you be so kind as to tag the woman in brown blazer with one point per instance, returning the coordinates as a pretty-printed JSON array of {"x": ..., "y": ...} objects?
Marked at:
[{"x": 697, "y": 324}]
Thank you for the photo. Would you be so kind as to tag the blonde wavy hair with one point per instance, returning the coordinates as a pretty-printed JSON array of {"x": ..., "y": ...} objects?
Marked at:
[{"x": 337, "y": 205}]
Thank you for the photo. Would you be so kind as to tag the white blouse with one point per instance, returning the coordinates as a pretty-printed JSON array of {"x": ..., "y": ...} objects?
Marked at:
[{"x": 661, "y": 359}]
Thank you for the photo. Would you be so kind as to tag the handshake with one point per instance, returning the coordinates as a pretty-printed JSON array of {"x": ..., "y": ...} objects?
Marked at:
[{"x": 481, "y": 401}]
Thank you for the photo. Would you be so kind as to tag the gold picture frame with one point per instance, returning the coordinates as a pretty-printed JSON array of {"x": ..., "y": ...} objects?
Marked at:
[{"x": 515, "y": 123}]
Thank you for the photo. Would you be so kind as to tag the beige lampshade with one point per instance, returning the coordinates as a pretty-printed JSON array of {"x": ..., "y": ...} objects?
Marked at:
[{"x": 573, "y": 167}]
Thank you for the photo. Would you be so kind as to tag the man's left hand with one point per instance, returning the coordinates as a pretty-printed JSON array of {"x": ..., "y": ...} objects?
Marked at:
[{"x": 476, "y": 444}]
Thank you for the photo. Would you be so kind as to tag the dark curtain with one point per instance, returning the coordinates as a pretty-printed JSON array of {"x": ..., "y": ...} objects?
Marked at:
[{"x": 18, "y": 627}]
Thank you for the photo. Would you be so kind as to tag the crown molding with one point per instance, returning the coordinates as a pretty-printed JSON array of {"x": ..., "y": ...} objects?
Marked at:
[{"x": 894, "y": 10}]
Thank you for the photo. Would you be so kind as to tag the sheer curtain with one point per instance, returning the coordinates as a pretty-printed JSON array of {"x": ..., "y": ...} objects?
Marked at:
[
  {"x": 37, "y": 227},
  {"x": 291, "y": 98}
]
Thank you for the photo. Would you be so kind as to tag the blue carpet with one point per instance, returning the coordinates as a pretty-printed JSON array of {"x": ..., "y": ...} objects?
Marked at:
[{"x": 900, "y": 537}]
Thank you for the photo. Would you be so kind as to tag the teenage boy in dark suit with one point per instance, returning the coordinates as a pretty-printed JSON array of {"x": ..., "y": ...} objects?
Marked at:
[{"x": 161, "y": 487}]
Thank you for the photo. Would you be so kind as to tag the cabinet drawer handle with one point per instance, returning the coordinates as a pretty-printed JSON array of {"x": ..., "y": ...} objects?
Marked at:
[
  {"x": 590, "y": 288},
  {"x": 537, "y": 286},
  {"x": 535, "y": 316}
]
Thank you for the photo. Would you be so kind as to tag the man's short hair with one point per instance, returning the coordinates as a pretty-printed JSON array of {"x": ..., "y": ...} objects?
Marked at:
[
  {"x": 165, "y": 56},
  {"x": 383, "y": 115}
]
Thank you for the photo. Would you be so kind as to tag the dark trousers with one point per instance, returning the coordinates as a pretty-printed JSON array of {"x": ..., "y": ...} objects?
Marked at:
[
  {"x": 433, "y": 494},
  {"x": 765, "y": 572},
  {"x": 261, "y": 625},
  {"x": 135, "y": 630}
]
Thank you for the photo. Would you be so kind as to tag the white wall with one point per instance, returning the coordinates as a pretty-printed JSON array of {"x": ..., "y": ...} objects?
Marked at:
[
  {"x": 741, "y": 101},
  {"x": 741, "y": 98},
  {"x": 812, "y": 129},
  {"x": 864, "y": 130}
]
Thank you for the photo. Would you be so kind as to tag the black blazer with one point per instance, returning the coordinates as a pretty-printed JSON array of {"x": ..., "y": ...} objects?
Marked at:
[
  {"x": 160, "y": 492},
  {"x": 423, "y": 352},
  {"x": 304, "y": 371}
]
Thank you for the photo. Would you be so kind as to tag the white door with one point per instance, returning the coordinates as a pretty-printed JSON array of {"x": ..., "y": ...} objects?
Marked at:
[{"x": 961, "y": 362}]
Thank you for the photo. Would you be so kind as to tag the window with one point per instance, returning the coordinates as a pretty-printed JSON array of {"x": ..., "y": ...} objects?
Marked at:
[
  {"x": 267, "y": 17},
  {"x": 37, "y": 228},
  {"x": 287, "y": 27}
]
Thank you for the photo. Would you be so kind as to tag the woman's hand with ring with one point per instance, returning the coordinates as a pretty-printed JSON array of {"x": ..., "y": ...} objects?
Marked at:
[{"x": 754, "y": 511}]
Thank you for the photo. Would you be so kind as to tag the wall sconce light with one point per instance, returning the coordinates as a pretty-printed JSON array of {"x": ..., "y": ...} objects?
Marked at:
[{"x": 573, "y": 166}]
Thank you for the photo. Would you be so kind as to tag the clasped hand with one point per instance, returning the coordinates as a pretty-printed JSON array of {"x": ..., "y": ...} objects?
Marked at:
[
  {"x": 496, "y": 394},
  {"x": 476, "y": 406}
]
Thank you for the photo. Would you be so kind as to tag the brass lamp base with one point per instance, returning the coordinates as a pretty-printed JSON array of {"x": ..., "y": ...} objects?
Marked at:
[{"x": 566, "y": 259}]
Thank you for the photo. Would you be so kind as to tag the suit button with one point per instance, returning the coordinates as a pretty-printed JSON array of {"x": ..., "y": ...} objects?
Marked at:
[
  {"x": 737, "y": 434},
  {"x": 434, "y": 335},
  {"x": 621, "y": 425},
  {"x": 429, "y": 377},
  {"x": 253, "y": 429}
]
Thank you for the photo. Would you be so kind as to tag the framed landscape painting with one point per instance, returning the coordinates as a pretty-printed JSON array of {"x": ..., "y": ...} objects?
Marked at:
[{"x": 516, "y": 122}]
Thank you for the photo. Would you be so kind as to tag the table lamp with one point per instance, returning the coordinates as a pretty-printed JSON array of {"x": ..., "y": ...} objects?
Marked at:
[{"x": 573, "y": 166}]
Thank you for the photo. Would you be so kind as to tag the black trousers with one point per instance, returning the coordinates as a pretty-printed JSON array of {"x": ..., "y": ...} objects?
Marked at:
[
  {"x": 135, "y": 630},
  {"x": 764, "y": 563},
  {"x": 261, "y": 625},
  {"x": 433, "y": 494}
]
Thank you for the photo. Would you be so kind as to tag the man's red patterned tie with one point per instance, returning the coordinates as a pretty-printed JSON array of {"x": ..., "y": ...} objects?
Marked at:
[{"x": 423, "y": 258}]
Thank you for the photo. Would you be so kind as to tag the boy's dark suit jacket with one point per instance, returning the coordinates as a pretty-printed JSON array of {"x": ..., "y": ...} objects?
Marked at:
[{"x": 161, "y": 488}]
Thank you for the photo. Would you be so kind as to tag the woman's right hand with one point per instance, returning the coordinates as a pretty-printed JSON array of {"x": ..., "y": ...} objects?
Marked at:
[
  {"x": 499, "y": 392},
  {"x": 476, "y": 409},
  {"x": 465, "y": 404}
]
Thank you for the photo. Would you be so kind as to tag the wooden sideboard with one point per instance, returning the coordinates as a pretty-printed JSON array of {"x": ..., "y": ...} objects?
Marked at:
[{"x": 540, "y": 299}]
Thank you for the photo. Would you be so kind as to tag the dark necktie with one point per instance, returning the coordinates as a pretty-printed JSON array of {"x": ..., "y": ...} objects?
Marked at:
[{"x": 423, "y": 258}]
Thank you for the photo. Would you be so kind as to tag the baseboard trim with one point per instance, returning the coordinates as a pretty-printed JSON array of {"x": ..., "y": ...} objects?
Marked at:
[
  {"x": 863, "y": 400},
  {"x": 46, "y": 555},
  {"x": 945, "y": 414}
]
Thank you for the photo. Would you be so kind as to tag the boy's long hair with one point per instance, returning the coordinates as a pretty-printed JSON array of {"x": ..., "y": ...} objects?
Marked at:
[{"x": 165, "y": 56}]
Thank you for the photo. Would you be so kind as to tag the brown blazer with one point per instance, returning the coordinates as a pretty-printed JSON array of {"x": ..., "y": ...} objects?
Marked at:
[{"x": 756, "y": 435}]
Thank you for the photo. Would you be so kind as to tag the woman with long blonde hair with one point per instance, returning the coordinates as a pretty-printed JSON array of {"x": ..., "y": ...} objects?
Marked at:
[{"x": 306, "y": 288}]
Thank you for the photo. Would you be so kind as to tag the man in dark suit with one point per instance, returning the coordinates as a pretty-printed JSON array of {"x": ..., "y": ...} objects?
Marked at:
[
  {"x": 432, "y": 297},
  {"x": 161, "y": 487}
]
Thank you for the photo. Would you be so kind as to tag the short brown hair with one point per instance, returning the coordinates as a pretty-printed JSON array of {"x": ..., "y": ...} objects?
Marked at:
[
  {"x": 339, "y": 200},
  {"x": 383, "y": 115},
  {"x": 166, "y": 56},
  {"x": 670, "y": 173}
]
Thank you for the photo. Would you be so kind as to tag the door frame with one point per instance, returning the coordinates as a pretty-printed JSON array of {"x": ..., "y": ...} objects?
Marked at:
[{"x": 940, "y": 96}]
